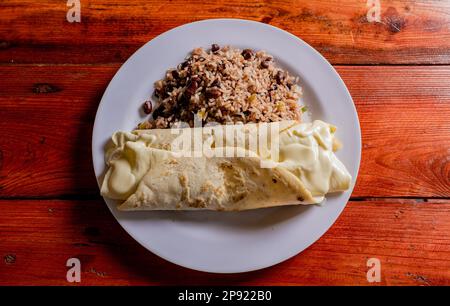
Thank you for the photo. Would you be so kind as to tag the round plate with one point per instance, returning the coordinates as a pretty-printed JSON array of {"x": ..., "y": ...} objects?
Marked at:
[{"x": 227, "y": 242}]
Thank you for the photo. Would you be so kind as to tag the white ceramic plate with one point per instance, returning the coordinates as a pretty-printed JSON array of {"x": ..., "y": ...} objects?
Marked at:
[{"x": 231, "y": 241}]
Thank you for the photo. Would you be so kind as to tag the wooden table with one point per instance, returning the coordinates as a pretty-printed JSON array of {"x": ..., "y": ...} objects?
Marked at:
[{"x": 53, "y": 74}]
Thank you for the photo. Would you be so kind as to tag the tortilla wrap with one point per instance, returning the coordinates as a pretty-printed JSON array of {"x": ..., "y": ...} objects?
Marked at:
[{"x": 146, "y": 171}]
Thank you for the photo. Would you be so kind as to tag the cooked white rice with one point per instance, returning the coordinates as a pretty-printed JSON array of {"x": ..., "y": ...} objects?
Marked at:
[{"x": 228, "y": 85}]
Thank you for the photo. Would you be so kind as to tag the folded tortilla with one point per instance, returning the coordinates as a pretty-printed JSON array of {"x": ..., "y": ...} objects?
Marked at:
[{"x": 151, "y": 170}]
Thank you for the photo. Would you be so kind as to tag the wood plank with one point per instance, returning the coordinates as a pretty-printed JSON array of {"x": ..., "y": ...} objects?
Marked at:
[
  {"x": 404, "y": 116},
  {"x": 46, "y": 137},
  {"x": 47, "y": 118},
  {"x": 411, "y": 240},
  {"x": 411, "y": 31}
]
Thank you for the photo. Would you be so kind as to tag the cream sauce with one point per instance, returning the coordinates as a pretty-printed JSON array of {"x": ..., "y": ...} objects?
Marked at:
[{"x": 305, "y": 149}]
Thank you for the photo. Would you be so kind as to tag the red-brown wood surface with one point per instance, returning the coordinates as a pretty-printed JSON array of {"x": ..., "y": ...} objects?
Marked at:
[
  {"x": 409, "y": 237},
  {"x": 415, "y": 31},
  {"x": 53, "y": 74}
]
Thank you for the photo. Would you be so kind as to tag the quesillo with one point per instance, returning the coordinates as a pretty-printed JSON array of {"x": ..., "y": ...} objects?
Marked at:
[{"x": 149, "y": 170}]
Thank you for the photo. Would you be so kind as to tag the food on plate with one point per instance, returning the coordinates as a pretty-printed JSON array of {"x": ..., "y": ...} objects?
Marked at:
[
  {"x": 149, "y": 170},
  {"x": 225, "y": 85},
  {"x": 226, "y": 134}
]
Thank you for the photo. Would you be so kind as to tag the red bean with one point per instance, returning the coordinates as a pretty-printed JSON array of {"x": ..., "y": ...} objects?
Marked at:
[
  {"x": 215, "y": 83},
  {"x": 175, "y": 74},
  {"x": 191, "y": 87},
  {"x": 147, "y": 107},
  {"x": 215, "y": 48},
  {"x": 280, "y": 77},
  {"x": 213, "y": 93},
  {"x": 247, "y": 54}
]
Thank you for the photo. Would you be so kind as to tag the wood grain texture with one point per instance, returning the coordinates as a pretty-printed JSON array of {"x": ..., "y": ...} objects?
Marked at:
[
  {"x": 47, "y": 116},
  {"x": 53, "y": 74},
  {"x": 414, "y": 31},
  {"x": 404, "y": 115},
  {"x": 410, "y": 238}
]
